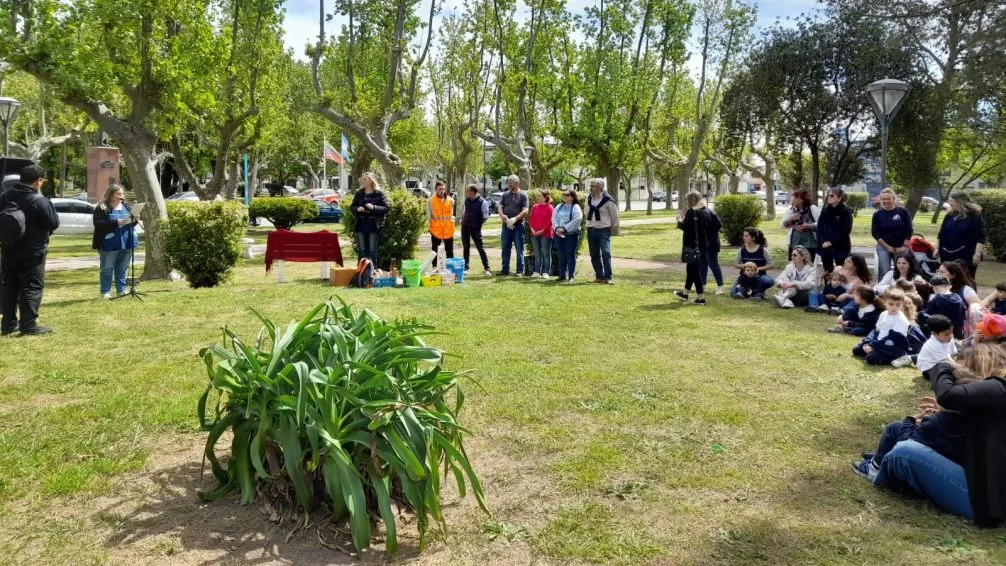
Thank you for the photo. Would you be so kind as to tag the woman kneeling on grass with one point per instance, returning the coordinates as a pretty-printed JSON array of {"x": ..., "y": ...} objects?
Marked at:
[
  {"x": 971, "y": 483},
  {"x": 796, "y": 280}
]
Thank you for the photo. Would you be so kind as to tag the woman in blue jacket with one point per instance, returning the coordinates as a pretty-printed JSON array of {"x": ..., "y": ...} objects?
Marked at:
[
  {"x": 962, "y": 234},
  {"x": 834, "y": 230},
  {"x": 892, "y": 228}
]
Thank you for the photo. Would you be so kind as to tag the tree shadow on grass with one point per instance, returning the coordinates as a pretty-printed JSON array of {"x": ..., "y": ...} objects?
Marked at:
[{"x": 161, "y": 514}]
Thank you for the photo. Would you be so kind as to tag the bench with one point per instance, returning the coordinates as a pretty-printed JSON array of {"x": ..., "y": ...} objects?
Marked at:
[{"x": 286, "y": 245}]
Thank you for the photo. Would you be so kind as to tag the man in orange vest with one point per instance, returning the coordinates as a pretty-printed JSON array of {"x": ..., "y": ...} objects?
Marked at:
[{"x": 440, "y": 214}]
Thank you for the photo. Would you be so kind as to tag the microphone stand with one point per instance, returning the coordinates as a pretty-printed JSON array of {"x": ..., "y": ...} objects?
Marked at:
[{"x": 132, "y": 259}]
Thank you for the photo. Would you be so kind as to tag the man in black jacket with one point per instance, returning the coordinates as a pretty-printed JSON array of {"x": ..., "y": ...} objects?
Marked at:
[{"x": 23, "y": 265}]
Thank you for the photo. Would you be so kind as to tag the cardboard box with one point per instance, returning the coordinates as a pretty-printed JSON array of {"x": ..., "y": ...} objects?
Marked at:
[
  {"x": 432, "y": 281},
  {"x": 340, "y": 276}
]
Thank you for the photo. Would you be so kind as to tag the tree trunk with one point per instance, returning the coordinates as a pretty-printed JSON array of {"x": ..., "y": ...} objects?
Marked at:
[
  {"x": 139, "y": 157},
  {"x": 769, "y": 188},
  {"x": 735, "y": 184},
  {"x": 683, "y": 185},
  {"x": 231, "y": 186},
  {"x": 815, "y": 173},
  {"x": 628, "y": 191},
  {"x": 253, "y": 174},
  {"x": 62, "y": 171},
  {"x": 649, "y": 188},
  {"x": 362, "y": 158},
  {"x": 612, "y": 178}
]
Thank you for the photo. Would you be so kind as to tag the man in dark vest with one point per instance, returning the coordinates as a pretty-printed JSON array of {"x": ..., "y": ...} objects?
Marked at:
[
  {"x": 475, "y": 215},
  {"x": 22, "y": 265}
]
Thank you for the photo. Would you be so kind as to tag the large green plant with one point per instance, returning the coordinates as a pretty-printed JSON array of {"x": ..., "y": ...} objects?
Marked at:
[
  {"x": 344, "y": 406},
  {"x": 404, "y": 223},
  {"x": 857, "y": 202},
  {"x": 993, "y": 203},
  {"x": 283, "y": 212},
  {"x": 737, "y": 212},
  {"x": 203, "y": 239}
]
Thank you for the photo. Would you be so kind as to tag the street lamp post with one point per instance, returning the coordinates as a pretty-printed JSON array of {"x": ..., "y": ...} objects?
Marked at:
[
  {"x": 8, "y": 111},
  {"x": 886, "y": 97}
]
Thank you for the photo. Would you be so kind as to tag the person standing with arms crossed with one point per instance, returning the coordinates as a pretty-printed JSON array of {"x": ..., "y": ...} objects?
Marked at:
[
  {"x": 23, "y": 264},
  {"x": 475, "y": 214},
  {"x": 513, "y": 208},
  {"x": 439, "y": 211}
]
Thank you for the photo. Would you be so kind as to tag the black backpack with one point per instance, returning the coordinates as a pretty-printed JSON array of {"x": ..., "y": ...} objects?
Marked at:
[
  {"x": 12, "y": 224},
  {"x": 364, "y": 276}
]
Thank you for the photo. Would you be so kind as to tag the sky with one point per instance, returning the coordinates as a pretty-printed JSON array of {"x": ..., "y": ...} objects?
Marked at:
[{"x": 301, "y": 25}]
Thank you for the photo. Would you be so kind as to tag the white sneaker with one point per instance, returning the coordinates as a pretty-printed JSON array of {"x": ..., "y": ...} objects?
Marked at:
[
  {"x": 719, "y": 290},
  {"x": 779, "y": 299},
  {"x": 569, "y": 281},
  {"x": 787, "y": 304},
  {"x": 106, "y": 296},
  {"x": 903, "y": 361},
  {"x": 489, "y": 273}
]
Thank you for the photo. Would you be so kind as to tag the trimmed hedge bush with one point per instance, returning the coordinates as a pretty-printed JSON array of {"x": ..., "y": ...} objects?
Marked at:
[
  {"x": 993, "y": 203},
  {"x": 203, "y": 239},
  {"x": 857, "y": 202},
  {"x": 283, "y": 212},
  {"x": 403, "y": 225},
  {"x": 737, "y": 212}
]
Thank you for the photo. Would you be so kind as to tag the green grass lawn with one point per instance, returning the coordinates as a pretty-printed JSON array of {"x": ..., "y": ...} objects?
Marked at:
[{"x": 613, "y": 425}]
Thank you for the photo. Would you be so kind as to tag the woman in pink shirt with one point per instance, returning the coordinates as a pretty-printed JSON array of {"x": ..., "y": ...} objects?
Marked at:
[{"x": 541, "y": 234}]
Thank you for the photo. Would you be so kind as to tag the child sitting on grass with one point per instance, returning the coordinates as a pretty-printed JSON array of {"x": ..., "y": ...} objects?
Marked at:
[
  {"x": 860, "y": 321},
  {"x": 912, "y": 294},
  {"x": 996, "y": 301},
  {"x": 749, "y": 284},
  {"x": 889, "y": 341},
  {"x": 940, "y": 346},
  {"x": 943, "y": 431},
  {"x": 826, "y": 299},
  {"x": 947, "y": 303}
]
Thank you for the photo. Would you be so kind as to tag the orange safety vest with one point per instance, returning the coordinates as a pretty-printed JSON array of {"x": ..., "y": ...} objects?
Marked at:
[{"x": 441, "y": 224}]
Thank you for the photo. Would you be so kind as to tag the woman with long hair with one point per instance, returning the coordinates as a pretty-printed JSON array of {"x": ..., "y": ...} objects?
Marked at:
[
  {"x": 962, "y": 234},
  {"x": 834, "y": 229},
  {"x": 906, "y": 268},
  {"x": 801, "y": 221},
  {"x": 115, "y": 239},
  {"x": 370, "y": 206},
  {"x": 697, "y": 224}
]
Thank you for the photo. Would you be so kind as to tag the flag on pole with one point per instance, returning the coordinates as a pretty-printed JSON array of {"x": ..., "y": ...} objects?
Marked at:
[
  {"x": 331, "y": 154},
  {"x": 344, "y": 150}
]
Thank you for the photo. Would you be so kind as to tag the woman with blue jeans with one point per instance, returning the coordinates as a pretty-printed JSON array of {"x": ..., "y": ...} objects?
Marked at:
[
  {"x": 567, "y": 219},
  {"x": 115, "y": 239},
  {"x": 975, "y": 489},
  {"x": 892, "y": 228},
  {"x": 710, "y": 260},
  {"x": 754, "y": 249},
  {"x": 370, "y": 206}
]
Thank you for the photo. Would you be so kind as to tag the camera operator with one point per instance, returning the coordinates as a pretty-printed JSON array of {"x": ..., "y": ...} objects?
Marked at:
[
  {"x": 114, "y": 238},
  {"x": 23, "y": 264}
]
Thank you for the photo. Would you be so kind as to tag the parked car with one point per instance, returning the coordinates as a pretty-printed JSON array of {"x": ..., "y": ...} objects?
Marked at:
[
  {"x": 327, "y": 195},
  {"x": 781, "y": 197},
  {"x": 76, "y": 217},
  {"x": 327, "y": 212},
  {"x": 659, "y": 196},
  {"x": 420, "y": 192},
  {"x": 187, "y": 196},
  {"x": 929, "y": 204}
]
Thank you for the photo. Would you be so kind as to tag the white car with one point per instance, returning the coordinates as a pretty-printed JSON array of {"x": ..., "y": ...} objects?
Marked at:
[
  {"x": 187, "y": 196},
  {"x": 76, "y": 217}
]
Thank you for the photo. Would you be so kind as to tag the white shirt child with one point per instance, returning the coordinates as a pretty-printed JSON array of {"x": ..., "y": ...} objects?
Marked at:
[{"x": 934, "y": 352}]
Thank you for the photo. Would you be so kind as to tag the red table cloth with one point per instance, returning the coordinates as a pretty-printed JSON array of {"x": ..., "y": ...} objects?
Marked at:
[{"x": 302, "y": 246}]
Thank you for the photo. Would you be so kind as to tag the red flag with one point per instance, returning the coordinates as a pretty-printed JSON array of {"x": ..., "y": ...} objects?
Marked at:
[{"x": 333, "y": 155}]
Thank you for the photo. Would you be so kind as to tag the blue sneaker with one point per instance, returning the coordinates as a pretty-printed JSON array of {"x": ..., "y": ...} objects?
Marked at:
[{"x": 866, "y": 469}]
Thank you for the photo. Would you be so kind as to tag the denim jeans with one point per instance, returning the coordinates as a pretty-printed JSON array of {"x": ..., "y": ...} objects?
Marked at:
[
  {"x": 710, "y": 261},
  {"x": 542, "y": 247},
  {"x": 114, "y": 263},
  {"x": 513, "y": 236},
  {"x": 367, "y": 244},
  {"x": 599, "y": 242},
  {"x": 884, "y": 261},
  {"x": 916, "y": 468},
  {"x": 567, "y": 254}
]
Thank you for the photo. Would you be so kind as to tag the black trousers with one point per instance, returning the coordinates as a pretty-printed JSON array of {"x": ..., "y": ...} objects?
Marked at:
[
  {"x": 692, "y": 277},
  {"x": 468, "y": 235},
  {"x": 448, "y": 246},
  {"x": 23, "y": 280}
]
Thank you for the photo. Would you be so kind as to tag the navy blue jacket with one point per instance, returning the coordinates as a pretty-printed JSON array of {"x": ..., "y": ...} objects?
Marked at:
[
  {"x": 892, "y": 226},
  {"x": 835, "y": 226},
  {"x": 867, "y": 323},
  {"x": 950, "y": 305},
  {"x": 960, "y": 235}
]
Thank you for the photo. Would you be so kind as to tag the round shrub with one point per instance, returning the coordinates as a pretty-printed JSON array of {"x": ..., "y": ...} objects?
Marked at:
[
  {"x": 993, "y": 203},
  {"x": 404, "y": 223},
  {"x": 284, "y": 212},
  {"x": 737, "y": 212},
  {"x": 203, "y": 239},
  {"x": 857, "y": 201}
]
